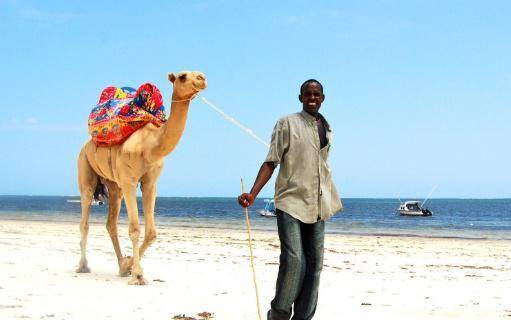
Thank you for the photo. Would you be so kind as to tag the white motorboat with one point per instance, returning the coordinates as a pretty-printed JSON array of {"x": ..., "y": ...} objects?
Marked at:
[
  {"x": 413, "y": 208},
  {"x": 269, "y": 208},
  {"x": 93, "y": 202}
]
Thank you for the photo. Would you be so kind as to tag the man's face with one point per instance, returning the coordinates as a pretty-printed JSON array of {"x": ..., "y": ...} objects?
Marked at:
[{"x": 311, "y": 98}]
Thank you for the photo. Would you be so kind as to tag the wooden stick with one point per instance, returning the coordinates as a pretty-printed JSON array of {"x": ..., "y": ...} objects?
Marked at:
[{"x": 247, "y": 220}]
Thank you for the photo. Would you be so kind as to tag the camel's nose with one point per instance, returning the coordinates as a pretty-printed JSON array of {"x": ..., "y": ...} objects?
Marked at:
[{"x": 201, "y": 78}]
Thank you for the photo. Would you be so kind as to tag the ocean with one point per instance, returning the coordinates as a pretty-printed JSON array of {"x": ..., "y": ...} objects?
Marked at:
[{"x": 456, "y": 218}]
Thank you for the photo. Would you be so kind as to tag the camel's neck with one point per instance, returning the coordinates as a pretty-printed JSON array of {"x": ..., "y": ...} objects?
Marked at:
[{"x": 173, "y": 129}]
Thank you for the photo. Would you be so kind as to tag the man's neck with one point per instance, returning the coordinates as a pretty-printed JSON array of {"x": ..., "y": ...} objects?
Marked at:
[{"x": 315, "y": 115}]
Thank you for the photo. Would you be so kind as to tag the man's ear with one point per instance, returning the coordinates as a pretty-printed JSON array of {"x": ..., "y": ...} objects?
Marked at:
[
  {"x": 323, "y": 98},
  {"x": 300, "y": 97},
  {"x": 172, "y": 77}
]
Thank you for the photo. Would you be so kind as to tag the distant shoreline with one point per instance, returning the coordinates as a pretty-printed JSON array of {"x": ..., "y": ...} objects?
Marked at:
[
  {"x": 203, "y": 225},
  {"x": 235, "y": 196}
]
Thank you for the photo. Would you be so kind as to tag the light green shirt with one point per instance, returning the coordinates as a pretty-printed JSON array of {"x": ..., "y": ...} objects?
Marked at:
[{"x": 304, "y": 187}]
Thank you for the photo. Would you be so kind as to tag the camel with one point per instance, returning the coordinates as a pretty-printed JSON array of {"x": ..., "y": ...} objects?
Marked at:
[{"x": 121, "y": 167}]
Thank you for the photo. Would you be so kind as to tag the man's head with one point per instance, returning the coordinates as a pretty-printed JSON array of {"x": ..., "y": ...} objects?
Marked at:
[{"x": 311, "y": 96}]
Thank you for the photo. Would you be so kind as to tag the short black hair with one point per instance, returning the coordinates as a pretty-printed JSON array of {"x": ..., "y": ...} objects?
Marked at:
[{"x": 310, "y": 81}]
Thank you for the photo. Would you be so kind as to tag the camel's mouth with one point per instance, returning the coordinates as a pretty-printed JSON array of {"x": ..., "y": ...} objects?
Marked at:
[{"x": 200, "y": 86}]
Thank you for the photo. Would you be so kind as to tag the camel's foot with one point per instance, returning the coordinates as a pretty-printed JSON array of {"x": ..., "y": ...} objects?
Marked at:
[
  {"x": 125, "y": 266},
  {"x": 136, "y": 276},
  {"x": 83, "y": 268},
  {"x": 137, "y": 281}
]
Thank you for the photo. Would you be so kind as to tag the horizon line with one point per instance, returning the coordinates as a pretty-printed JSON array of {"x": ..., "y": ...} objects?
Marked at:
[{"x": 223, "y": 197}]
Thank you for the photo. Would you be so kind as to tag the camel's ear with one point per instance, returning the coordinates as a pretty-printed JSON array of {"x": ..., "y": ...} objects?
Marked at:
[{"x": 172, "y": 77}]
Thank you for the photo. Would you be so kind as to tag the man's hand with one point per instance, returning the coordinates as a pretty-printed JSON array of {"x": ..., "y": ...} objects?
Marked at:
[
  {"x": 246, "y": 200},
  {"x": 264, "y": 174}
]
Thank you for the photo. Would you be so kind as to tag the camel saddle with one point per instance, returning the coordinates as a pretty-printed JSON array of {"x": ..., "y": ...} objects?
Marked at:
[{"x": 122, "y": 111}]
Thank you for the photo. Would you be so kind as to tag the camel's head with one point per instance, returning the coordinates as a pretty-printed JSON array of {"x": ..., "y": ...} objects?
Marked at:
[{"x": 187, "y": 83}]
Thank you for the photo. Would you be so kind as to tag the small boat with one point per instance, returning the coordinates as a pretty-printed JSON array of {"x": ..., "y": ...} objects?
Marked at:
[
  {"x": 93, "y": 202},
  {"x": 413, "y": 208},
  {"x": 269, "y": 208}
]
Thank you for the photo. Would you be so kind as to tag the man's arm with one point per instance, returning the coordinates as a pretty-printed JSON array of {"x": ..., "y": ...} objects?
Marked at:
[{"x": 264, "y": 174}]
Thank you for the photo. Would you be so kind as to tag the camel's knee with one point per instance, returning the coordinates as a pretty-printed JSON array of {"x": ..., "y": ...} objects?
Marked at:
[
  {"x": 150, "y": 237},
  {"x": 134, "y": 232}
]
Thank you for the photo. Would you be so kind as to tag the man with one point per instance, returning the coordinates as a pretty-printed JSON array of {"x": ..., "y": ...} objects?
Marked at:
[{"x": 305, "y": 196}]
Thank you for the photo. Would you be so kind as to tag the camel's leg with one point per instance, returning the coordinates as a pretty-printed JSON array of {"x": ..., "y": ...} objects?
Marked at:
[
  {"x": 149, "y": 199},
  {"x": 87, "y": 181},
  {"x": 114, "y": 208},
  {"x": 130, "y": 198}
]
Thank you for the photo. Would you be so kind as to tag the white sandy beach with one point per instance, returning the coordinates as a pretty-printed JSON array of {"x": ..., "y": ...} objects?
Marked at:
[{"x": 192, "y": 270}]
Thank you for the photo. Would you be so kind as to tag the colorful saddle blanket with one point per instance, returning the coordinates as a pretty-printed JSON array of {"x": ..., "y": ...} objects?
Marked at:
[{"x": 122, "y": 111}]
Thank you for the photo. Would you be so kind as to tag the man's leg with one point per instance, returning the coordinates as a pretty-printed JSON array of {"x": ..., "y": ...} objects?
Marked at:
[
  {"x": 313, "y": 238},
  {"x": 291, "y": 268}
]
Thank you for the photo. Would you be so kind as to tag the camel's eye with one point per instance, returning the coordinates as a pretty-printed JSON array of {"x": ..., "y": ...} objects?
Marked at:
[
  {"x": 200, "y": 77},
  {"x": 182, "y": 77}
]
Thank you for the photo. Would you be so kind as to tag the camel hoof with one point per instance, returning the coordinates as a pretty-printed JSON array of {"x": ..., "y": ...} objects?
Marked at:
[
  {"x": 125, "y": 266},
  {"x": 137, "y": 281},
  {"x": 83, "y": 269},
  {"x": 124, "y": 273}
]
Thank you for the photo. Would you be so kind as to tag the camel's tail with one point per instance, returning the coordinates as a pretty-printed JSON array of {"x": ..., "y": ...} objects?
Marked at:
[{"x": 101, "y": 192}]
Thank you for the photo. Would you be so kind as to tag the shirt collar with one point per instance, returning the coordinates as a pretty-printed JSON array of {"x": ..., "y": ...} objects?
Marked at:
[{"x": 312, "y": 120}]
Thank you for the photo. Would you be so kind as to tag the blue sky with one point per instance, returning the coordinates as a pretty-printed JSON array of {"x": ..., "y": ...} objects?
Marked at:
[{"x": 418, "y": 92}]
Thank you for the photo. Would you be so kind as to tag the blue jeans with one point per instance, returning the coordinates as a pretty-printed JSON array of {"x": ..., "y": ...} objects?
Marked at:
[{"x": 301, "y": 262}]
